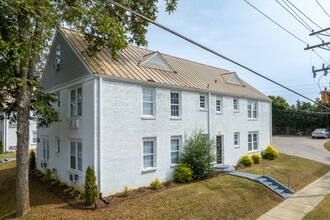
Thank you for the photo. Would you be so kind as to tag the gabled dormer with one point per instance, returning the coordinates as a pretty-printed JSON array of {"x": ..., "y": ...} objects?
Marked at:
[
  {"x": 156, "y": 61},
  {"x": 232, "y": 78}
]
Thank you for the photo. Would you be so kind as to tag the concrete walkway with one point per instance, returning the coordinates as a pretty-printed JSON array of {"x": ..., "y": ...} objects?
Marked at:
[{"x": 301, "y": 202}]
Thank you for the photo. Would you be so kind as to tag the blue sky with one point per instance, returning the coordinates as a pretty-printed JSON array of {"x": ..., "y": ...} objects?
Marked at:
[{"x": 236, "y": 30}]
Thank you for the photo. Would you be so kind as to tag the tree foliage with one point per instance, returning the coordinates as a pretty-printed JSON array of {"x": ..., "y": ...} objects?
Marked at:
[
  {"x": 199, "y": 155},
  {"x": 302, "y": 117},
  {"x": 26, "y": 29}
]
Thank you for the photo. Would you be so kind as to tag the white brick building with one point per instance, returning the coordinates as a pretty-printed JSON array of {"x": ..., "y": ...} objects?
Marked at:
[{"x": 129, "y": 118}]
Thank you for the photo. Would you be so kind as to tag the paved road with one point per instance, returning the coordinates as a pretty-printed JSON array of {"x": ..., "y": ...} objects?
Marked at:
[{"x": 305, "y": 147}]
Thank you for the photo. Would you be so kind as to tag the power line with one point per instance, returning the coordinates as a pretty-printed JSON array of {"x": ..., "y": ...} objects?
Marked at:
[
  {"x": 322, "y": 9},
  {"x": 301, "y": 21},
  {"x": 208, "y": 49},
  {"x": 275, "y": 22}
]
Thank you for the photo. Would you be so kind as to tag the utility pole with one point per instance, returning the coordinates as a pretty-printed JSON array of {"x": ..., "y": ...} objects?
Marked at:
[{"x": 324, "y": 45}]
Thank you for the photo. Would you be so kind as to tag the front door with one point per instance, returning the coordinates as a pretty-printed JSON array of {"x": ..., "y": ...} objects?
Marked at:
[{"x": 219, "y": 149}]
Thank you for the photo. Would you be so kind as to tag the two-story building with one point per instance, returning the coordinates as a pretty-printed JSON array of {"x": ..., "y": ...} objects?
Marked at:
[{"x": 129, "y": 118}]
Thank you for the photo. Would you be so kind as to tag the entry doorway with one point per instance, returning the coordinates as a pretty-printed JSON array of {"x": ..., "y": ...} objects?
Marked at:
[{"x": 219, "y": 148}]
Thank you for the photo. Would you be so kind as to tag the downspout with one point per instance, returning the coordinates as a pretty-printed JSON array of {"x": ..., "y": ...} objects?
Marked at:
[
  {"x": 271, "y": 122},
  {"x": 100, "y": 136},
  {"x": 209, "y": 116},
  {"x": 5, "y": 133}
]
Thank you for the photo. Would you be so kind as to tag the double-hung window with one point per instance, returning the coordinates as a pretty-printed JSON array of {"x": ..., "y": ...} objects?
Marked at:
[
  {"x": 149, "y": 153},
  {"x": 175, "y": 149},
  {"x": 76, "y": 102},
  {"x": 235, "y": 104},
  {"x": 148, "y": 97},
  {"x": 218, "y": 105},
  {"x": 252, "y": 109},
  {"x": 34, "y": 137},
  {"x": 45, "y": 148},
  {"x": 236, "y": 139},
  {"x": 76, "y": 155},
  {"x": 252, "y": 141},
  {"x": 203, "y": 102},
  {"x": 175, "y": 104}
]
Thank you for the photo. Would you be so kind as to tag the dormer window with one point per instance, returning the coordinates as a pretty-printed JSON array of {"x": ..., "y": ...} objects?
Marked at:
[{"x": 58, "y": 57}]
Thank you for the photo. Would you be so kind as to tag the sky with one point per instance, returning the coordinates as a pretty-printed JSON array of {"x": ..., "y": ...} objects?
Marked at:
[{"x": 236, "y": 30}]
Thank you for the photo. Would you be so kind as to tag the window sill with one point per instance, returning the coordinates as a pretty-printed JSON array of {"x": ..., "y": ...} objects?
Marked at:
[
  {"x": 236, "y": 111},
  {"x": 72, "y": 171},
  {"x": 174, "y": 165},
  {"x": 252, "y": 119},
  {"x": 148, "y": 118},
  {"x": 219, "y": 113},
  {"x": 236, "y": 147},
  {"x": 148, "y": 170},
  {"x": 175, "y": 118},
  {"x": 203, "y": 109}
]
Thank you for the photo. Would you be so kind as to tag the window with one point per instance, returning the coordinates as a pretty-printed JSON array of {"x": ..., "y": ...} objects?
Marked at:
[
  {"x": 202, "y": 101},
  {"x": 252, "y": 109},
  {"x": 149, "y": 149},
  {"x": 218, "y": 104},
  {"x": 252, "y": 141},
  {"x": 58, "y": 57},
  {"x": 236, "y": 139},
  {"x": 34, "y": 137},
  {"x": 45, "y": 148},
  {"x": 235, "y": 104},
  {"x": 58, "y": 100},
  {"x": 58, "y": 144},
  {"x": 175, "y": 104},
  {"x": 148, "y": 101},
  {"x": 175, "y": 149},
  {"x": 76, "y": 102},
  {"x": 76, "y": 155}
]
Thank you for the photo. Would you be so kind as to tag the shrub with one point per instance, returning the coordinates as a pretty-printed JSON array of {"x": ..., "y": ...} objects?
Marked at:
[
  {"x": 167, "y": 183},
  {"x": 1, "y": 147},
  {"x": 156, "y": 184},
  {"x": 32, "y": 160},
  {"x": 183, "y": 174},
  {"x": 47, "y": 176},
  {"x": 270, "y": 153},
  {"x": 127, "y": 191},
  {"x": 246, "y": 160},
  {"x": 256, "y": 157},
  {"x": 91, "y": 191},
  {"x": 198, "y": 154}
]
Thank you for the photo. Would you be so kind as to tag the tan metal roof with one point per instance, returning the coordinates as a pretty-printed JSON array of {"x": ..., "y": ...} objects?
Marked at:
[{"x": 182, "y": 72}]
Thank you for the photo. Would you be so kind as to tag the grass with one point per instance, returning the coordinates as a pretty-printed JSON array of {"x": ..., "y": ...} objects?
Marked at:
[
  {"x": 322, "y": 210},
  {"x": 223, "y": 197}
]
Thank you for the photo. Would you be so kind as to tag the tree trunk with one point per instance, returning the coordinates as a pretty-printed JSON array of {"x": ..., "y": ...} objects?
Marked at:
[{"x": 22, "y": 154}]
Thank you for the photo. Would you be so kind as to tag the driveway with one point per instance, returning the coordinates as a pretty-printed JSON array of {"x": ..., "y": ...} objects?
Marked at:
[{"x": 305, "y": 147}]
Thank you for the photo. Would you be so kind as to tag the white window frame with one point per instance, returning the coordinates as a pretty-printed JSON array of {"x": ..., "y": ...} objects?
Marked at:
[
  {"x": 76, "y": 100},
  {"x": 175, "y": 107},
  {"x": 76, "y": 155},
  {"x": 34, "y": 137},
  {"x": 252, "y": 109},
  {"x": 218, "y": 104},
  {"x": 149, "y": 155},
  {"x": 203, "y": 101},
  {"x": 58, "y": 144},
  {"x": 176, "y": 145},
  {"x": 147, "y": 103},
  {"x": 253, "y": 141},
  {"x": 235, "y": 104},
  {"x": 45, "y": 148},
  {"x": 236, "y": 139}
]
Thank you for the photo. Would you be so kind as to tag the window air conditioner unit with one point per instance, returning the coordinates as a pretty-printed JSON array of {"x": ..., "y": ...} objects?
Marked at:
[
  {"x": 73, "y": 177},
  {"x": 74, "y": 123}
]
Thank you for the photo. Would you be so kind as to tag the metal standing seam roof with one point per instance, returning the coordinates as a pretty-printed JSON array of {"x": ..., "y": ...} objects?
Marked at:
[{"x": 184, "y": 73}]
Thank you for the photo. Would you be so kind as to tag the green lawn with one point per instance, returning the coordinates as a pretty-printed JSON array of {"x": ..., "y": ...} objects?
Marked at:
[{"x": 223, "y": 197}]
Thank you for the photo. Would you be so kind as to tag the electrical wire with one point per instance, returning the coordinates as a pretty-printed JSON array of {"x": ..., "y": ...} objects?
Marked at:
[
  {"x": 295, "y": 15},
  {"x": 208, "y": 49},
  {"x": 275, "y": 22},
  {"x": 322, "y": 8}
]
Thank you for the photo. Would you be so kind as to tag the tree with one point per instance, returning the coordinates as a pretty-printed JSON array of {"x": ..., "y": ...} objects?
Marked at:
[
  {"x": 26, "y": 28},
  {"x": 198, "y": 154},
  {"x": 91, "y": 191}
]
